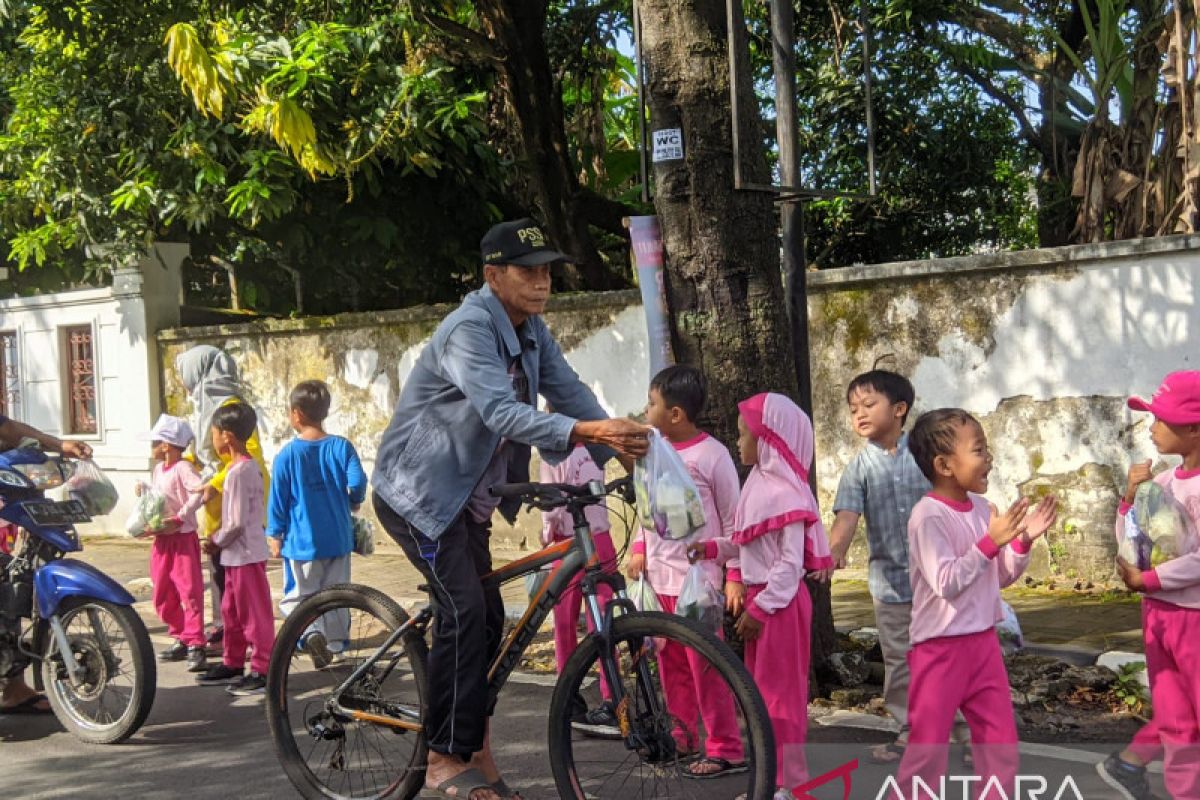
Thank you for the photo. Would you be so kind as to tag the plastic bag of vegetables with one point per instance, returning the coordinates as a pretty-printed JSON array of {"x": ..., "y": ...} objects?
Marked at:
[
  {"x": 668, "y": 501},
  {"x": 1156, "y": 528},
  {"x": 148, "y": 515},
  {"x": 92, "y": 488},
  {"x": 699, "y": 600}
]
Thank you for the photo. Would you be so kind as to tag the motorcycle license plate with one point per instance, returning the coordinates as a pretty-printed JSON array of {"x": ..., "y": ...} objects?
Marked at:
[{"x": 51, "y": 513}]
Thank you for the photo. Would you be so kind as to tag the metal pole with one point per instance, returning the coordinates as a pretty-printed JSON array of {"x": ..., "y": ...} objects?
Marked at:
[
  {"x": 734, "y": 22},
  {"x": 640, "y": 74},
  {"x": 791, "y": 211},
  {"x": 864, "y": 15}
]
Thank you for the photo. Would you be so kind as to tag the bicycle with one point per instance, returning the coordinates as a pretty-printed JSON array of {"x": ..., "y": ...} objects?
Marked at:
[{"x": 354, "y": 728}]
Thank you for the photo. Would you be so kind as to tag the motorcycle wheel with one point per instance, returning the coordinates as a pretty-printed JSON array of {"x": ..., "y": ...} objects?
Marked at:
[{"x": 116, "y": 690}]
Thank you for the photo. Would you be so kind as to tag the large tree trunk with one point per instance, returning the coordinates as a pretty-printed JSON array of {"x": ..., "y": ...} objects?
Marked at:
[
  {"x": 518, "y": 28},
  {"x": 722, "y": 246}
]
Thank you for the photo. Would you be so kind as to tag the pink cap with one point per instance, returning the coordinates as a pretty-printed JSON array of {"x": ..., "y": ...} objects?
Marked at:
[{"x": 1177, "y": 400}]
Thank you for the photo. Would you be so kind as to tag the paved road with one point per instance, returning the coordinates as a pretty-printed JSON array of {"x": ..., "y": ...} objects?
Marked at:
[{"x": 201, "y": 743}]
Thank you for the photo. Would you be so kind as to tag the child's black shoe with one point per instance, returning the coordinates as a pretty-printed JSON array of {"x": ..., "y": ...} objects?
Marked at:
[{"x": 219, "y": 675}]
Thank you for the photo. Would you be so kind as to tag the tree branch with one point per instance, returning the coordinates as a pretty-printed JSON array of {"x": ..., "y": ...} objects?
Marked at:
[
  {"x": 604, "y": 213},
  {"x": 1028, "y": 131},
  {"x": 996, "y": 27},
  {"x": 470, "y": 43}
]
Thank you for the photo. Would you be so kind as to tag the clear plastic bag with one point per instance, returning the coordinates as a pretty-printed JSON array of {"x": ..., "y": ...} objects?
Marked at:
[
  {"x": 1009, "y": 630},
  {"x": 534, "y": 582},
  {"x": 668, "y": 501},
  {"x": 699, "y": 600},
  {"x": 149, "y": 513},
  {"x": 643, "y": 596},
  {"x": 364, "y": 536},
  {"x": 1156, "y": 529},
  {"x": 92, "y": 488}
]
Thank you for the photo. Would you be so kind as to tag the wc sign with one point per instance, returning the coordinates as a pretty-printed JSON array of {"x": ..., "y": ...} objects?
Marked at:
[{"x": 668, "y": 145}]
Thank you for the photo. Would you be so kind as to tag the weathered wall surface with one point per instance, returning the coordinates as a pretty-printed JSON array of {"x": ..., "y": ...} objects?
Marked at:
[
  {"x": 366, "y": 358},
  {"x": 1043, "y": 346}
]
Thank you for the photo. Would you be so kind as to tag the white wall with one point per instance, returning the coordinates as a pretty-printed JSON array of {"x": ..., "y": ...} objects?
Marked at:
[{"x": 124, "y": 319}]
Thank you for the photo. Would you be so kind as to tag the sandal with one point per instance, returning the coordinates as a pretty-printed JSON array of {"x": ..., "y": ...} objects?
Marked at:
[
  {"x": 505, "y": 791},
  {"x": 458, "y": 787},
  {"x": 30, "y": 705},
  {"x": 888, "y": 753},
  {"x": 724, "y": 767}
]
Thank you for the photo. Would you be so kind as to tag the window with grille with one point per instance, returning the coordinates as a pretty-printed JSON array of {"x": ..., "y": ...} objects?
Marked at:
[
  {"x": 81, "y": 379},
  {"x": 10, "y": 378}
]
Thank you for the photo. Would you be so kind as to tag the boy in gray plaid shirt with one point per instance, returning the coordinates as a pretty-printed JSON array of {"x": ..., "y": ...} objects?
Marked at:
[{"x": 884, "y": 483}]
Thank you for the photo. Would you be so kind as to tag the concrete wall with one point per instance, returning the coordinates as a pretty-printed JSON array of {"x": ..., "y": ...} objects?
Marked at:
[
  {"x": 365, "y": 359},
  {"x": 124, "y": 319},
  {"x": 1043, "y": 346}
]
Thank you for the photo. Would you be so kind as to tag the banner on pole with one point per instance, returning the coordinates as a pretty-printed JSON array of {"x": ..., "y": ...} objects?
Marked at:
[{"x": 646, "y": 238}]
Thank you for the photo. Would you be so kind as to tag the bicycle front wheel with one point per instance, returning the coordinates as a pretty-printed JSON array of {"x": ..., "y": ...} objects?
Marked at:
[
  {"x": 654, "y": 740},
  {"x": 365, "y": 742}
]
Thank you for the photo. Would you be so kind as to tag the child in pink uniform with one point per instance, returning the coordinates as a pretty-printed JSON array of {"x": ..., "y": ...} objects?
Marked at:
[
  {"x": 676, "y": 398},
  {"x": 175, "y": 567},
  {"x": 557, "y": 526},
  {"x": 242, "y": 542},
  {"x": 962, "y": 552},
  {"x": 1171, "y": 608},
  {"x": 777, "y": 539}
]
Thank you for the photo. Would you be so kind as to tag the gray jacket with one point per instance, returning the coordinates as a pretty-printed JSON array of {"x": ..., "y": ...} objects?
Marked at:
[{"x": 459, "y": 403}]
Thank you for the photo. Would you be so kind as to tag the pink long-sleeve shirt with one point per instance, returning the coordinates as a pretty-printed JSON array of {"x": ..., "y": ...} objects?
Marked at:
[
  {"x": 242, "y": 536},
  {"x": 1178, "y": 580},
  {"x": 957, "y": 572},
  {"x": 180, "y": 485},
  {"x": 577, "y": 469},
  {"x": 716, "y": 478},
  {"x": 774, "y": 561}
]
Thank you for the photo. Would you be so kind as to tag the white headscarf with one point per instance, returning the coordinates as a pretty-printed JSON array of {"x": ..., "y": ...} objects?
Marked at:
[{"x": 211, "y": 377}]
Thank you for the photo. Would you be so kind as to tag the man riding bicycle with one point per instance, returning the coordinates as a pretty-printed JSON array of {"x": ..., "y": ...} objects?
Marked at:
[{"x": 466, "y": 419}]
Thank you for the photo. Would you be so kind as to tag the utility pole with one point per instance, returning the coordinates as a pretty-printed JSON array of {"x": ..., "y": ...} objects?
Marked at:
[{"x": 791, "y": 207}]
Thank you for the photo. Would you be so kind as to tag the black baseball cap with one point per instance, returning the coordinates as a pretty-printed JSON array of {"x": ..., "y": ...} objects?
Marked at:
[{"x": 521, "y": 242}]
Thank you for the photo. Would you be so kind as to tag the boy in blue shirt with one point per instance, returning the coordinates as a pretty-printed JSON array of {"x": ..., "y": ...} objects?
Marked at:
[{"x": 316, "y": 481}]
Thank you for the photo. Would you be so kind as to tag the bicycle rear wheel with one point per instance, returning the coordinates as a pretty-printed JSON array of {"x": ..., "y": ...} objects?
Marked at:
[
  {"x": 357, "y": 752},
  {"x": 669, "y": 734}
]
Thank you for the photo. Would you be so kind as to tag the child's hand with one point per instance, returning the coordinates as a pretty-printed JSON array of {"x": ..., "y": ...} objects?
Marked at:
[
  {"x": 636, "y": 566},
  {"x": 821, "y": 575},
  {"x": 696, "y": 552},
  {"x": 209, "y": 547},
  {"x": 207, "y": 493},
  {"x": 748, "y": 627},
  {"x": 1005, "y": 527},
  {"x": 735, "y": 597},
  {"x": 275, "y": 546},
  {"x": 1138, "y": 474},
  {"x": 138, "y": 488},
  {"x": 1131, "y": 575},
  {"x": 1041, "y": 520}
]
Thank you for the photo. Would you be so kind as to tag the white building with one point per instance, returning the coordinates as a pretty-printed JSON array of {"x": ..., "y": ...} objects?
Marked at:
[{"x": 84, "y": 365}]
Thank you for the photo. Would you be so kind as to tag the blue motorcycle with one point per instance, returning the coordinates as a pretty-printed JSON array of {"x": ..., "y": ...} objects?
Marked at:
[{"x": 76, "y": 624}]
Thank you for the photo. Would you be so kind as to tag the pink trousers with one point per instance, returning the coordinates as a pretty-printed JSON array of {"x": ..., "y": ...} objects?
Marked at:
[
  {"x": 1172, "y": 635},
  {"x": 778, "y": 661},
  {"x": 692, "y": 696},
  {"x": 248, "y": 617},
  {"x": 179, "y": 586},
  {"x": 566, "y": 613},
  {"x": 964, "y": 673}
]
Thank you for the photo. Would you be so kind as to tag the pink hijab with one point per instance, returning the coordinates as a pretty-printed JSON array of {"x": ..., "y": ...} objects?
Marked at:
[{"x": 777, "y": 493}]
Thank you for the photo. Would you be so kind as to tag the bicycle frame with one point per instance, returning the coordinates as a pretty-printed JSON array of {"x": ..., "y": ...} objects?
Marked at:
[{"x": 576, "y": 555}]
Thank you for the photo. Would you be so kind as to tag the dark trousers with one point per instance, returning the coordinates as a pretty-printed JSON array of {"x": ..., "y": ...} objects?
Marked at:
[{"x": 466, "y": 633}]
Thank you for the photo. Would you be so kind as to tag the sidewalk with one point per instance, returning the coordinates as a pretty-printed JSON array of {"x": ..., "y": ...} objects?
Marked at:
[
  {"x": 1066, "y": 619},
  {"x": 1069, "y": 620}
]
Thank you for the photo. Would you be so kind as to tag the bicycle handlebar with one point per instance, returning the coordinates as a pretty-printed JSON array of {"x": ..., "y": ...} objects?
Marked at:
[{"x": 556, "y": 495}]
